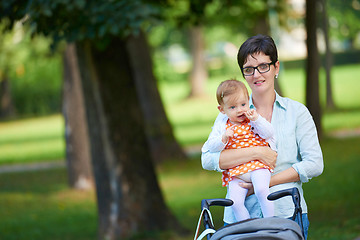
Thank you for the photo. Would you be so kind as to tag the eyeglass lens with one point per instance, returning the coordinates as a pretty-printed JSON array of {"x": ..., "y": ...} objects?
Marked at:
[{"x": 262, "y": 68}]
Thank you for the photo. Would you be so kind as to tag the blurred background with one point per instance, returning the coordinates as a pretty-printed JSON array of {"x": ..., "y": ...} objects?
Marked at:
[{"x": 169, "y": 58}]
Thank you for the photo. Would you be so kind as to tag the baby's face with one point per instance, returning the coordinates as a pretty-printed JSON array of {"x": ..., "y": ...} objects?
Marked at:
[{"x": 235, "y": 106}]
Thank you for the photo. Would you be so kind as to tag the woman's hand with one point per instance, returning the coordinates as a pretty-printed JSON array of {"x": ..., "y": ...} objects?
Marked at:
[
  {"x": 268, "y": 156},
  {"x": 248, "y": 186},
  {"x": 230, "y": 158}
]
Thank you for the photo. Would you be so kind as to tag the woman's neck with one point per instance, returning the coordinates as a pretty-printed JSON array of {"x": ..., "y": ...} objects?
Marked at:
[{"x": 264, "y": 104}]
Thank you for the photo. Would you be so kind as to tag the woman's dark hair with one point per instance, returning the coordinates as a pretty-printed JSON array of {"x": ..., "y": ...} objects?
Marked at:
[{"x": 257, "y": 44}]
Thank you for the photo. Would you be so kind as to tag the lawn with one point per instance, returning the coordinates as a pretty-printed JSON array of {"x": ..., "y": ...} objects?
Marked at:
[
  {"x": 32, "y": 140},
  {"x": 39, "y": 205}
]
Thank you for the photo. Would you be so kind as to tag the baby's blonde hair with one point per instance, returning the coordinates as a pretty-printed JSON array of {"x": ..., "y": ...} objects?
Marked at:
[{"x": 229, "y": 87}]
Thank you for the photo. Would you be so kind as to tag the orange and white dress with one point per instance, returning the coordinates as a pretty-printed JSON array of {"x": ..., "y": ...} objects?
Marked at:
[{"x": 243, "y": 137}]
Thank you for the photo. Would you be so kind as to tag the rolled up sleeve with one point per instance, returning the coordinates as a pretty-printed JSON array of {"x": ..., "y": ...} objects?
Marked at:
[
  {"x": 210, "y": 152},
  {"x": 311, "y": 159},
  {"x": 210, "y": 161}
]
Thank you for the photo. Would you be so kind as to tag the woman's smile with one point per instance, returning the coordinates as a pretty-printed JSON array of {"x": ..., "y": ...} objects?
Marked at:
[{"x": 259, "y": 82}]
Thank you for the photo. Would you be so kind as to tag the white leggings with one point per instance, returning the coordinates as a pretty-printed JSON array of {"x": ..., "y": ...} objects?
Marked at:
[{"x": 260, "y": 179}]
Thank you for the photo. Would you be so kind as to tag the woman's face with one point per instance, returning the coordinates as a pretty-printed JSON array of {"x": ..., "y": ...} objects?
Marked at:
[{"x": 261, "y": 82}]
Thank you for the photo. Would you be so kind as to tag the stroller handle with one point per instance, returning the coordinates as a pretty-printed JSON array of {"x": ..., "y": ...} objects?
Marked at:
[
  {"x": 206, "y": 203},
  {"x": 282, "y": 193},
  {"x": 295, "y": 194}
]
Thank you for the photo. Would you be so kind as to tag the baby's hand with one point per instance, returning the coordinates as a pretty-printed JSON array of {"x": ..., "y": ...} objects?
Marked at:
[
  {"x": 228, "y": 134},
  {"x": 251, "y": 114}
]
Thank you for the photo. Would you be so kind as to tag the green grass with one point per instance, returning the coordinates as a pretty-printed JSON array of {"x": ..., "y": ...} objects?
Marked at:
[
  {"x": 39, "y": 205},
  {"x": 32, "y": 140},
  {"x": 333, "y": 197}
]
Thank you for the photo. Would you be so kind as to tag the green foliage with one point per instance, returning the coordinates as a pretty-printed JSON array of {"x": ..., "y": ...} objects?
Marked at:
[
  {"x": 344, "y": 17},
  {"x": 33, "y": 72},
  {"x": 164, "y": 71},
  {"x": 79, "y": 20},
  {"x": 38, "y": 90}
]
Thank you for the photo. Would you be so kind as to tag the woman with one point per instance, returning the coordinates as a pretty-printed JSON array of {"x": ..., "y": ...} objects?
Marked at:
[{"x": 298, "y": 158}]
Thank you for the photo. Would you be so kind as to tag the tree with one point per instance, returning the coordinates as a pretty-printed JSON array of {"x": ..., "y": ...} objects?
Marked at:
[
  {"x": 199, "y": 73},
  {"x": 106, "y": 35},
  {"x": 191, "y": 17},
  {"x": 7, "y": 52},
  {"x": 6, "y": 104},
  {"x": 312, "y": 65},
  {"x": 159, "y": 133},
  {"x": 328, "y": 55},
  {"x": 76, "y": 130},
  {"x": 124, "y": 175}
]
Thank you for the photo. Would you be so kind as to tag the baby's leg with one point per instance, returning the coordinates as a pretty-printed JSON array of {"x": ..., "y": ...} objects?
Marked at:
[
  {"x": 238, "y": 195},
  {"x": 260, "y": 179}
]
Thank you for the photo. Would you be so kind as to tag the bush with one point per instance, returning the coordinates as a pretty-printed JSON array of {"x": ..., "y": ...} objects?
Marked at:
[
  {"x": 38, "y": 91},
  {"x": 36, "y": 78}
]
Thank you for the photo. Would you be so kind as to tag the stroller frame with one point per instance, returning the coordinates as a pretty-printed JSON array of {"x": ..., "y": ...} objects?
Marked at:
[{"x": 256, "y": 228}]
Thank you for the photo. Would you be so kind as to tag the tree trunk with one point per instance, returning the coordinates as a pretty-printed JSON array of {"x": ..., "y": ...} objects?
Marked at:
[
  {"x": 312, "y": 65},
  {"x": 6, "y": 107},
  {"x": 159, "y": 132},
  {"x": 328, "y": 57},
  {"x": 128, "y": 194},
  {"x": 262, "y": 26},
  {"x": 76, "y": 133},
  {"x": 199, "y": 74}
]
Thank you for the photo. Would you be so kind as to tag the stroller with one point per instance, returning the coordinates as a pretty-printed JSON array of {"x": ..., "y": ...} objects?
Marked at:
[{"x": 256, "y": 228}]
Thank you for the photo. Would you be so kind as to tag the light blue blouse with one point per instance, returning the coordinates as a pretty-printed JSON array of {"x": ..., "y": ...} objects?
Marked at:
[{"x": 297, "y": 146}]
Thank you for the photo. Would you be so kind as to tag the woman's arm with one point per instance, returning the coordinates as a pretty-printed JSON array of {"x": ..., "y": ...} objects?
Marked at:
[
  {"x": 286, "y": 176},
  {"x": 230, "y": 158},
  {"x": 311, "y": 164}
]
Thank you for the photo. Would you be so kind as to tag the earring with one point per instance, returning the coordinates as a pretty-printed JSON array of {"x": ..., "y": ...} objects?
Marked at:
[{"x": 276, "y": 75}]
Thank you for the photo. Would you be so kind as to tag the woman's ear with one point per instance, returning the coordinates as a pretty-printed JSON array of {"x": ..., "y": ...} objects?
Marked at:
[{"x": 277, "y": 66}]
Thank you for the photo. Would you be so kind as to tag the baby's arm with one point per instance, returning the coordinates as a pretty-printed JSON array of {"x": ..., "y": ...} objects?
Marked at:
[
  {"x": 262, "y": 127},
  {"x": 215, "y": 142}
]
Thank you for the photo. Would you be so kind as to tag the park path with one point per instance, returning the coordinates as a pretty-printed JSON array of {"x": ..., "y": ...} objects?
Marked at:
[
  {"x": 190, "y": 151},
  {"x": 32, "y": 166}
]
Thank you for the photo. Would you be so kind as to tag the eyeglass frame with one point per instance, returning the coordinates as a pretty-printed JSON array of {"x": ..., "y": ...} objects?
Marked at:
[{"x": 256, "y": 68}]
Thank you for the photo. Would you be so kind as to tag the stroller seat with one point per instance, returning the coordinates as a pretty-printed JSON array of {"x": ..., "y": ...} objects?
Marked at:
[
  {"x": 260, "y": 228},
  {"x": 257, "y": 228}
]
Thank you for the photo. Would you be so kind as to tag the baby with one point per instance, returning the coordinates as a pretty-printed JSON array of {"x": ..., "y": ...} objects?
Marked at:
[{"x": 243, "y": 127}]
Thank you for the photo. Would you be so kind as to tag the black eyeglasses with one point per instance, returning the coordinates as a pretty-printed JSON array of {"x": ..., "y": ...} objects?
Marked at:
[{"x": 262, "y": 68}]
